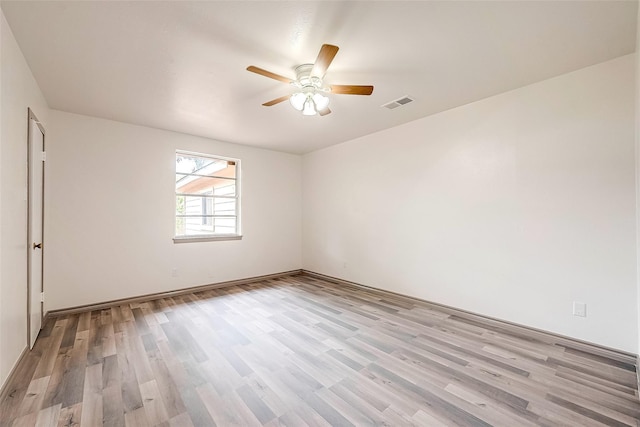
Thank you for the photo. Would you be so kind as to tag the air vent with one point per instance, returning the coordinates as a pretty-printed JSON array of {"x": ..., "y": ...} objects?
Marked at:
[
  {"x": 391, "y": 105},
  {"x": 398, "y": 103}
]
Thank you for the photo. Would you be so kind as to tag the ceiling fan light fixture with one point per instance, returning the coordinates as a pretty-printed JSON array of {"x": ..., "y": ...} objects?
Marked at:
[
  {"x": 297, "y": 100},
  {"x": 309, "y": 107},
  {"x": 309, "y": 101},
  {"x": 321, "y": 101}
]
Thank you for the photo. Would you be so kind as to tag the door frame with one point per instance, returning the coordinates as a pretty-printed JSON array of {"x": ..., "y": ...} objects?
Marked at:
[{"x": 32, "y": 116}]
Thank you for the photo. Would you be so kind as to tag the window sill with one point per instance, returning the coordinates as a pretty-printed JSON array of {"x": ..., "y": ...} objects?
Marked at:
[{"x": 190, "y": 239}]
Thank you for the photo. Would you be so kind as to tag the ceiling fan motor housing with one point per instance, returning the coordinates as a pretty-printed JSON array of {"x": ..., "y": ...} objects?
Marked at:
[{"x": 304, "y": 79}]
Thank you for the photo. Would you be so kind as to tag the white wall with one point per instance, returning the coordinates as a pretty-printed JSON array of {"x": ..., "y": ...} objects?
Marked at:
[
  {"x": 511, "y": 207},
  {"x": 110, "y": 206},
  {"x": 18, "y": 91}
]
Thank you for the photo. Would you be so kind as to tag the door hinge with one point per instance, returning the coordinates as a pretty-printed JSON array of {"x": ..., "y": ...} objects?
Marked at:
[
  {"x": 44, "y": 156},
  {"x": 41, "y": 296}
]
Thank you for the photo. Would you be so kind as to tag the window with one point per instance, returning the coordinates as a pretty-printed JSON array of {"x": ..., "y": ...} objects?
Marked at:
[{"x": 207, "y": 197}]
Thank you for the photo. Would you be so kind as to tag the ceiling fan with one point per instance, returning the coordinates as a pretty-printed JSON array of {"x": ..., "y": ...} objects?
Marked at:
[{"x": 310, "y": 97}]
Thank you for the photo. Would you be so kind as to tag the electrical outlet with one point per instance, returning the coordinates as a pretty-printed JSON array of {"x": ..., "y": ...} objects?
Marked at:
[
  {"x": 344, "y": 264},
  {"x": 579, "y": 309},
  {"x": 174, "y": 272}
]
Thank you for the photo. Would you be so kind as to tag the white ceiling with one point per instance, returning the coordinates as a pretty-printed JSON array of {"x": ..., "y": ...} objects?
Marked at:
[{"x": 181, "y": 65}]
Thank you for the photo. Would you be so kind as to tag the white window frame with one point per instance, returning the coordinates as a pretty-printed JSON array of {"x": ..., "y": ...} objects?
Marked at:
[{"x": 210, "y": 237}]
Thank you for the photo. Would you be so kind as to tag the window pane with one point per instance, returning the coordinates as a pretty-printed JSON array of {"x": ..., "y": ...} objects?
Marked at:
[
  {"x": 204, "y": 166},
  {"x": 224, "y": 225},
  {"x": 193, "y": 184},
  {"x": 188, "y": 164},
  {"x": 206, "y": 195},
  {"x": 199, "y": 225},
  {"x": 203, "y": 206},
  {"x": 225, "y": 189}
]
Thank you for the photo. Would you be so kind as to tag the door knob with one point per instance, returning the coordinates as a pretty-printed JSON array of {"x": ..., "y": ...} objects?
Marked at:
[{"x": 39, "y": 245}]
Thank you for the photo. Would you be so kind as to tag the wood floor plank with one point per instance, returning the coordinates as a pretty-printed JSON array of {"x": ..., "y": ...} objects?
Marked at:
[
  {"x": 17, "y": 390},
  {"x": 348, "y": 412},
  {"x": 129, "y": 385},
  {"x": 262, "y": 412},
  {"x": 48, "y": 417},
  {"x": 32, "y": 401},
  {"x": 182, "y": 420},
  {"x": 71, "y": 327},
  {"x": 498, "y": 412},
  {"x": 112, "y": 406},
  {"x": 423, "y": 418},
  {"x": 590, "y": 409},
  {"x": 169, "y": 392},
  {"x": 136, "y": 418},
  {"x": 48, "y": 359},
  {"x": 301, "y": 351},
  {"x": 397, "y": 417},
  {"x": 196, "y": 409},
  {"x": 153, "y": 403},
  {"x": 92, "y": 409},
  {"x": 27, "y": 420},
  {"x": 557, "y": 416},
  {"x": 70, "y": 416},
  {"x": 370, "y": 394}
]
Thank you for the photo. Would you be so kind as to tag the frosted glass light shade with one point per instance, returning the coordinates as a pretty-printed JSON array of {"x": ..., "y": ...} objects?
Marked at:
[
  {"x": 321, "y": 101},
  {"x": 297, "y": 100},
  {"x": 309, "y": 107},
  {"x": 309, "y": 101}
]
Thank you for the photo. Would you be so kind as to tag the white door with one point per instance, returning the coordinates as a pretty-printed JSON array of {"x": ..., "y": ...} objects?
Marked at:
[{"x": 36, "y": 192}]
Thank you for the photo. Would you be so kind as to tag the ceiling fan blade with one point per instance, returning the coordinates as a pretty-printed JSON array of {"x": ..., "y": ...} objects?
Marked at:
[
  {"x": 324, "y": 112},
  {"x": 268, "y": 74},
  {"x": 326, "y": 55},
  {"x": 351, "y": 90},
  {"x": 276, "y": 101}
]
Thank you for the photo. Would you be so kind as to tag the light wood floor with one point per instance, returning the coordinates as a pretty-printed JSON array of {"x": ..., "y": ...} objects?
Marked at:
[{"x": 302, "y": 351}]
